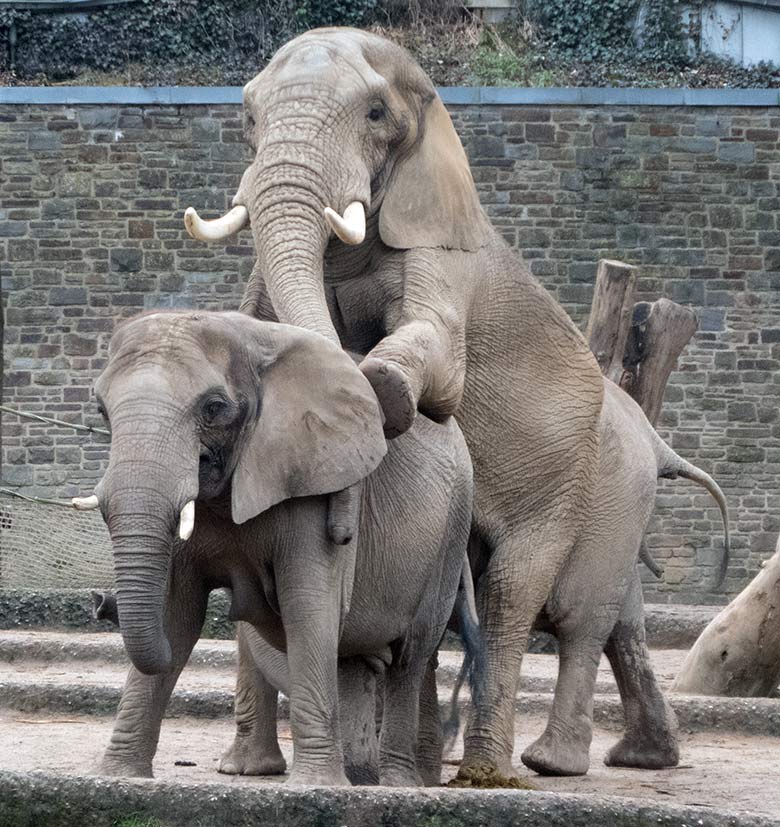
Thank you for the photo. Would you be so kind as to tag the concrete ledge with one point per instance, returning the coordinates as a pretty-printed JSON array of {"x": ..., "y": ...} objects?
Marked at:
[
  {"x": 72, "y": 609},
  {"x": 451, "y": 95},
  {"x": 48, "y": 800},
  {"x": 668, "y": 626},
  {"x": 676, "y": 626}
]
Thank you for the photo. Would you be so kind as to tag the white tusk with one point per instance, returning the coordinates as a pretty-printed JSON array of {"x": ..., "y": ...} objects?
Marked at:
[
  {"x": 187, "y": 520},
  {"x": 351, "y": 229},
  {"x": 231, "y": 222},
  {"x": 85, "y": 503}
]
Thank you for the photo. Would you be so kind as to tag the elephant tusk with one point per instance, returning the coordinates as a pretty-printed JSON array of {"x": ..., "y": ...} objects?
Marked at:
[
  {"x": 219, "y": 228},
  {"x": 85, "y": 503},
  {"x": 187, "y": 520},
  {"x": 351, "y": 229}
]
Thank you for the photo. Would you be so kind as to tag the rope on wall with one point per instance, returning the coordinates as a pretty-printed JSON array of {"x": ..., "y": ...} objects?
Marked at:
[{"x": 49, "y": 421}]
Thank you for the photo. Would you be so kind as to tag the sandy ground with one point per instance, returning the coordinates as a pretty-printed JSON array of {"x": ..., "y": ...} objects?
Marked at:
[{"x": 738, "y": 773}]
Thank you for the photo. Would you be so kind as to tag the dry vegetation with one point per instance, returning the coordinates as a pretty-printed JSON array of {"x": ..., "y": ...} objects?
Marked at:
[{"x": 454, "y": 47}]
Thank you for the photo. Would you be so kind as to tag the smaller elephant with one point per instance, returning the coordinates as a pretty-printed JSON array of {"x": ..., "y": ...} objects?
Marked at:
[{"x": 234, "y": 431}]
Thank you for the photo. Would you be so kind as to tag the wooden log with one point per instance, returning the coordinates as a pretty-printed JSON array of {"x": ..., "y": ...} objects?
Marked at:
[
  {"x": 659, "y": 332},
  {"x": 610, "y": 315},
  {"x": 738, "y": 654}
]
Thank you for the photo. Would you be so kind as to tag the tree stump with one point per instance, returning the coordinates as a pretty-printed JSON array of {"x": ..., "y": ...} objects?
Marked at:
[
  {"x": 636, "y": 345},
  {"x": 610, "y": 315},
  {"x": 659, "y": 332},
  {"x": 738, "y": 654}
]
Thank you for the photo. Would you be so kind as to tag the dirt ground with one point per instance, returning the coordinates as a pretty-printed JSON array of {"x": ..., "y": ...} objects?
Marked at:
[{"x": 726, "y": 772}]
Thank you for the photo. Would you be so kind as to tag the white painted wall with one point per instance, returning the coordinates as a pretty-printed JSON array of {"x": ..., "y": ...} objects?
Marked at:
[{"x": 744, "y": 32}]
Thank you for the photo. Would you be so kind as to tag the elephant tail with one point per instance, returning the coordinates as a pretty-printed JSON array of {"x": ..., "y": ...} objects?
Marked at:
[
  {"x": 104, "y": 606},
  {"x": 671, "y": 466},
  {"x": 644, "y": 555},
  {"x": 474, "y": 651}
]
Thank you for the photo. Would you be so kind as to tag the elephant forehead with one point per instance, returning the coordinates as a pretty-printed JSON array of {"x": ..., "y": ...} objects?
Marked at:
[
  {"x": 178, "y": 343},
  {"x": 334, "y": 63}
]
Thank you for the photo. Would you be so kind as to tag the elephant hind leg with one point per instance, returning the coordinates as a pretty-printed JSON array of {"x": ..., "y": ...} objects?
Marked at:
[
  {"x": 255, "y": 749},
  {"x": 651, "y": 738},
  {"x": 430, "y": 738},
  {"x": 511, "y": 592},
  {"x": 357, "y": 710},
  {"x": 583, "y": 607},
  {"x": 564, "y": 746}
]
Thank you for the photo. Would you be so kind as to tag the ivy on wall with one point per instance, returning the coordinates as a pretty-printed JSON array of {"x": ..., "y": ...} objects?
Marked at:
[
  {"x": 648, "y": 31},
  {"x": 230, "y": 32}
]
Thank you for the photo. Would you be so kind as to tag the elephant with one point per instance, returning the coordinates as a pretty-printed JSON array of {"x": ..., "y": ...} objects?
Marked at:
[
  {"x": 235, "y": 430},
  {"x": 368, "y": 229}
]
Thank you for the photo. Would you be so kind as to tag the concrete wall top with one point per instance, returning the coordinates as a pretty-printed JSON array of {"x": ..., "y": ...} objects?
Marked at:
[{"x": 452, "y": 95}]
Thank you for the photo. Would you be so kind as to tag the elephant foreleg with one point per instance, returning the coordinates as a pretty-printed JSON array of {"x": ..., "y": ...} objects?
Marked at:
[
  {"x": 311, "y": 581},
  {"x": 255, "y": 748},
  {"x": 422, "y": 362},
  {"x": 651, "y": 739},
  {"x": 144, "y": 697}
]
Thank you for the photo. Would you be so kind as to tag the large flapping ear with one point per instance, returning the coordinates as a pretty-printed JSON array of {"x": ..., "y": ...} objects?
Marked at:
[
  {"x": 430, "y": 198},
  {"x": 319, "y": 428}
]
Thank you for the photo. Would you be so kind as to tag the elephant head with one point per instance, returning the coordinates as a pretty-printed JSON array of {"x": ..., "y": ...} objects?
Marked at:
[
  {"x": 351, "y": 139},
  {"x": 217, "y": 405}
]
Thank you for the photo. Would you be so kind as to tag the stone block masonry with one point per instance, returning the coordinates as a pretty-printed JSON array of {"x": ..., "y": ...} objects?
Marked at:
[{"x": 91, "y": 232}]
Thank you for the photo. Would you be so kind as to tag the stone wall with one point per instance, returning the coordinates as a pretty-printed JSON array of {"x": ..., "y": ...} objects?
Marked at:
[{"x": 91, "y": 202}]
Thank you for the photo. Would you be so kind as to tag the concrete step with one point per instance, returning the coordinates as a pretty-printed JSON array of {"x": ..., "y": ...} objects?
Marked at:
[
  {"x": 47, "y": 646},
  {"x": 750, "y": 716},
  {"x": 46, "y": 657}
]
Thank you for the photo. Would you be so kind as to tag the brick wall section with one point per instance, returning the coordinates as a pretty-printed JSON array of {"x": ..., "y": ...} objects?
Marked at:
[{"x": 91, "y": 201}]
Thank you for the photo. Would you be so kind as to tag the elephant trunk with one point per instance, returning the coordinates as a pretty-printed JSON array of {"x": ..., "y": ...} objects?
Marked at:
[
  {"x": 141, "y": 563},
  {"x": 143, "y": 498},
  {"x": 291, "y": 235},
  {"x": 303, "y": 187}
]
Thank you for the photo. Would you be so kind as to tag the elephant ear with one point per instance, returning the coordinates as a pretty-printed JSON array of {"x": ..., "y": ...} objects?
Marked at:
[
  {"x": 430, "y": 198},
  {"x": 319, "y": 427}
]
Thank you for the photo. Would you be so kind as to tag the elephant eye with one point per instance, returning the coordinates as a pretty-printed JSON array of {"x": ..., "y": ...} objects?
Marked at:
[
  {"x": 212, "y": 408},
  {"x": 376, "y": 113},
  {"x": 249, "y": 129}
]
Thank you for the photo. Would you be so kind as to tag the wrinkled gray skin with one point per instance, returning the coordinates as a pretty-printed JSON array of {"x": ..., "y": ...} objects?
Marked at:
[
  {"x": 222, "y": 408},
  {"x": 452, "y": 323},
  {"x": 263, "y": 673}
]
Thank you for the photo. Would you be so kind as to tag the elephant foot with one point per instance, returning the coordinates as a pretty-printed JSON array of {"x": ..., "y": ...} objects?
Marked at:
[
  {"x": 362, "y": 775},
  {"x": 487, "y": 776},
  {"x": 430, "y": 776},
  {"x": 317, "y": 777},
  {"x": 643, "y": 754},
  {"x": 246, "y": 758},
  {"x": 124, "y": 768},
  {"x": 394, "y": 394},
  {"x": 399, "y": 777},
  {"x": 549, "y": 755}
]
